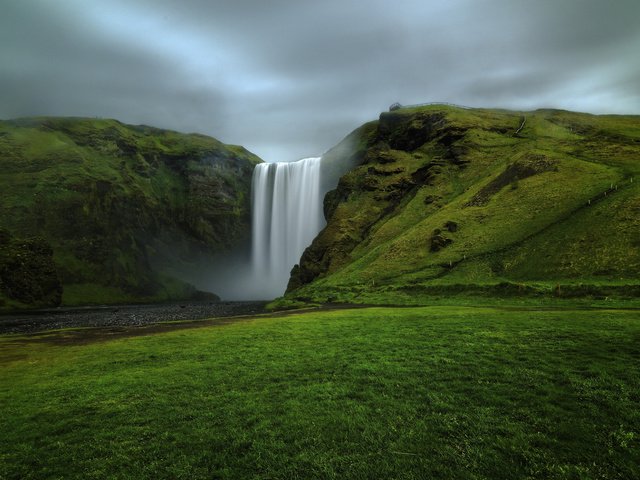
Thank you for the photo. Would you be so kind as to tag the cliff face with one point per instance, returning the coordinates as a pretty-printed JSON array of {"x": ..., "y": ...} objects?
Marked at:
[
  {"x": 444, "y": 198},
  {"x": 27, "y": 273},
  {"x": 116, "y": 204}
]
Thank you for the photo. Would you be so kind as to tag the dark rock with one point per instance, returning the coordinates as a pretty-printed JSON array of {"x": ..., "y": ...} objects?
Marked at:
[
  {"x": 28, "y": 274},
  {"x": 332, "y": 199},
  {"x": 113, "y": 320},
  {"x": 425, "y": 175},
  {"x": 438, "y": 241},
  {"x": 384, "y": 173},
  {"x": 369, "y": 183},
  {"x": 457, "y": 155},
  {"x": 532, "y": 164},
  {"x": 451, "y": 226},
  {"x": 450, "y": 137},
  {"x": 295, "y": 280},
  {"x": 409, "y": 131},
  {"x": 429, "y": 199}
]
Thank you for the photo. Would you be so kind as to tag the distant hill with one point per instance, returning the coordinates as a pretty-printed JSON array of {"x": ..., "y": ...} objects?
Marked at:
[
  {"x": 440, "y": 199},
  {"x": 115, "y": 207}
]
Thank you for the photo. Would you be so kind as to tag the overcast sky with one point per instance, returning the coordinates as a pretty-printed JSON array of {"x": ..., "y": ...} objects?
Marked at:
[{"x": 290, "y": 78}]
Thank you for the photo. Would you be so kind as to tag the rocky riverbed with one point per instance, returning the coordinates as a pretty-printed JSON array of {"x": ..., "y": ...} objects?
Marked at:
[{"x": 123, "y": 315}]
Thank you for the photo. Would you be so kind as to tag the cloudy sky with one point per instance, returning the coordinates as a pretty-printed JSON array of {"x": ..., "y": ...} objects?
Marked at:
[{"x": 290, "y": 78}]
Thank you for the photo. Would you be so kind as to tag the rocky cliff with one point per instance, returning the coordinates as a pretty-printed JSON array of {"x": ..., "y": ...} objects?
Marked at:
[{"x": 118, "y": 205}]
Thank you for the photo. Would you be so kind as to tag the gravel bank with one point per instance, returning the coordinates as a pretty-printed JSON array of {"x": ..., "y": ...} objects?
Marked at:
[{"x": 122, "y": 315}]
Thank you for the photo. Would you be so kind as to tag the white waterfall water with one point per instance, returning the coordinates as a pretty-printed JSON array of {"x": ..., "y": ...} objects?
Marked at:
[{"x": 286, "y": 216}]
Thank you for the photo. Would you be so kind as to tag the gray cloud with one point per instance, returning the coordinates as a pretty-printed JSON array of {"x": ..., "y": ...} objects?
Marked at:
[{"x": 289, "y": 78}]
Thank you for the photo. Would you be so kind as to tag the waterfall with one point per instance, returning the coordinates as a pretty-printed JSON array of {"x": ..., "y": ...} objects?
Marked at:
[{"x": 286, "y": 216}]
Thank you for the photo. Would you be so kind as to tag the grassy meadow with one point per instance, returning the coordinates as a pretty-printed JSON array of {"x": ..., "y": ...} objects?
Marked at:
[{"x": 415, "y": 392}]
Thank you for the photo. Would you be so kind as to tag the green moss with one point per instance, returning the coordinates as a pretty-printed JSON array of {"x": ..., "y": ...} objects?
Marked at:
[
  {"x": 121, "y": 204},
  {"x": 28, "y": 276},
  {"x": 554, "y": 204}
]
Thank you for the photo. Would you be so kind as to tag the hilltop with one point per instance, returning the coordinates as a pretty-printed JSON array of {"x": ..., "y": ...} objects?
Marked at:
[
  {"x": 96, "y": 211},
  {"x": 440, "y": 200}
]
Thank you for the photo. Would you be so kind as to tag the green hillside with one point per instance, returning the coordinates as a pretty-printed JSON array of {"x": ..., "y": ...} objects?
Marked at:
[
  {"x": 447, "y": 199},
  {"x": 116, "y": 206}
]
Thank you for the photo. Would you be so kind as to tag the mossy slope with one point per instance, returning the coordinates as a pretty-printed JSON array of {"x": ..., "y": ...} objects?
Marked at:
[
  {"x": 447, "y": 199},
  {"x": 118, "y": 204}
]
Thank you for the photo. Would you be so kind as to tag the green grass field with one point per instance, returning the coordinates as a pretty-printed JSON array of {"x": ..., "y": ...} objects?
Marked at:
[{"x": 426, "y": 392}]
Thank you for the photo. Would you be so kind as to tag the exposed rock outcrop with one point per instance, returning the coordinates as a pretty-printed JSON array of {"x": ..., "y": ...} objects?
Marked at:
[
  {"x": 391, "y": 170},
  {"x": 28, "y": 274}
]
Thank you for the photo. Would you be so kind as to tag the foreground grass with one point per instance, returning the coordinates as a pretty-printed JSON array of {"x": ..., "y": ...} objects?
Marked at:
[{"x": 434, "y": 392}]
